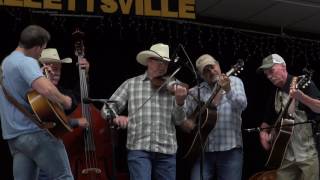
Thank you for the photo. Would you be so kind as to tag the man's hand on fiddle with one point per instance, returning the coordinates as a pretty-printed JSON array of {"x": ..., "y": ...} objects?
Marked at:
[{"x": 180, "y": 93}]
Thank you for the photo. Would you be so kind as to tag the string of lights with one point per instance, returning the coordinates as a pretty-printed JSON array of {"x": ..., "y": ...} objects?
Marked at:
[{"x": 220, "y": 40}]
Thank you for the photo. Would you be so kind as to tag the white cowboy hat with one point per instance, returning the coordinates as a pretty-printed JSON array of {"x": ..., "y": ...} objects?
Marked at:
[
  {"x": 159, "y": 50},
  {"x": 50, "y": 55}
]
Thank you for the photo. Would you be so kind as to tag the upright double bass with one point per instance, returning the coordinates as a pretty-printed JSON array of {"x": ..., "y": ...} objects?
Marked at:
[{"x": 89, "y": 149}]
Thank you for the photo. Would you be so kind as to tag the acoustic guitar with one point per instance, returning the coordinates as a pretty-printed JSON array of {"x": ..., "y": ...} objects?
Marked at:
[
  {"x": 189, "y": 143},
  {"x": 50, "y": 115},
  {"x": 265, "y": 175},
  {"x": 283, "y": 127}
]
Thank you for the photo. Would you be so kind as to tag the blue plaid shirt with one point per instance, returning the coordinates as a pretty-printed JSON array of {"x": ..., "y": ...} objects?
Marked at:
[{"x": 227, "y": 132}]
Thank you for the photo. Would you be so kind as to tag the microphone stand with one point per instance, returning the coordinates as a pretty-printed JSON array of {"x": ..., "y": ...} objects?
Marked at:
[
  {"x": 111, "y": 115},
  {"x": 258, "y": 129},
  {"x": 199, "y": 117}
]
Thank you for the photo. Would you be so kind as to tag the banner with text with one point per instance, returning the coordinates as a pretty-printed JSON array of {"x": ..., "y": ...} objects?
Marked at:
[{"x": 160, "y": 8}]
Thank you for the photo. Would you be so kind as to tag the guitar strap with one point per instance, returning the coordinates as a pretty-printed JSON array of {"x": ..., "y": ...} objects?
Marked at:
[{"x": 21, "y": 108}]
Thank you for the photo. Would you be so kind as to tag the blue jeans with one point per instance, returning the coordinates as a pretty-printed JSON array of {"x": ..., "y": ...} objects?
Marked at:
[
  {"x": 43, "y": 175},
  {"x": 39, "y": 150},
  {"x": 143, "y": 165},
  {"x": 221, "y": 165}
]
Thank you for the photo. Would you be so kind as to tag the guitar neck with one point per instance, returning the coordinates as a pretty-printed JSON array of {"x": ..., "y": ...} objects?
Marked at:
[
  {"x": 217, "y": 89},
  {"x": 213, "y": 95},
  {"x": 283, "y": 113}
]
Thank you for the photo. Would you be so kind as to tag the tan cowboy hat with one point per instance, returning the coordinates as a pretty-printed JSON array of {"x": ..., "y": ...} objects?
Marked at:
[
  {"x": 159, "y": 50},
  {"x": 204, "y": 61},
  {"x": 50, "y": 55}
]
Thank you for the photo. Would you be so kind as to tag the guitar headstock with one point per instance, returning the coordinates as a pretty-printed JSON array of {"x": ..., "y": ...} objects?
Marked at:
[
  {"x": 237, "y": 68},
  {"x": 305, "y": 79},
  {"x": 78, "y": 37}
]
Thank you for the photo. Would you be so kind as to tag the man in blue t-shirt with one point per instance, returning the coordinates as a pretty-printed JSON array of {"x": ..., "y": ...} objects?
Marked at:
[{"x": 31, "y": 147}]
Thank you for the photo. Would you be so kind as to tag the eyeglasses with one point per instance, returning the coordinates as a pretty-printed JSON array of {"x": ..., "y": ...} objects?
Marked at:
[{"x": 158, "y": 60}]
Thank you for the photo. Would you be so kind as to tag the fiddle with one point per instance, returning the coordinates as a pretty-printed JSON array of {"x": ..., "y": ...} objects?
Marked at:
[
  {"x": 158, "y": 83},
  {"x": 161, "y": 81}
]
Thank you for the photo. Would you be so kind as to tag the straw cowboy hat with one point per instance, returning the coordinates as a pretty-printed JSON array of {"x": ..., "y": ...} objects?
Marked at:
[
  {"x": 159, "y": 50},
  {"x": 50, "y": 55}
]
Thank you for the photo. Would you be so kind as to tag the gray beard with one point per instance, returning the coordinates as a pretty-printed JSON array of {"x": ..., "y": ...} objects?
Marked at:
[{"x": 215, "y": 79}]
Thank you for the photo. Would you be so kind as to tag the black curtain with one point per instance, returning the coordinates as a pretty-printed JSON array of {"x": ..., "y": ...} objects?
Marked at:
[{"x": 113, "y": 41}]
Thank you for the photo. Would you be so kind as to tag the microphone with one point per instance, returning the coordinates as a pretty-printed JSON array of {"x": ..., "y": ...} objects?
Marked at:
[
  {"x": 104, "y": 101},
  {"x": 257, "y": 129},
  {"x": 176, "y": 59}
]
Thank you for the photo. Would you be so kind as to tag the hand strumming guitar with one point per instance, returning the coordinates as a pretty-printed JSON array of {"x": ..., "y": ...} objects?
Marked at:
[{"x": 265, "y": 136}]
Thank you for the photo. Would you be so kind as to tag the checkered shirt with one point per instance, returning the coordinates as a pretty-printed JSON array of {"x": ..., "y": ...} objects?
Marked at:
[
  {"x": 151, "y": 127},
  {"x": 227, "y": 132}
]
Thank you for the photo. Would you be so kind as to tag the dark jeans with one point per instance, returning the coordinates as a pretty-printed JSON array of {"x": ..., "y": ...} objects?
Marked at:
[
  {"x": 224, "y": 165},
  {"x": 145, "y": 165}
]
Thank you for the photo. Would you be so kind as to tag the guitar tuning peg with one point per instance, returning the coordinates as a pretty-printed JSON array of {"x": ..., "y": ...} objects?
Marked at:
[
  {"x": 238, "y": 72},
  {"x": 235, "y": 74},
  {"x": 241, "y": 69}
]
